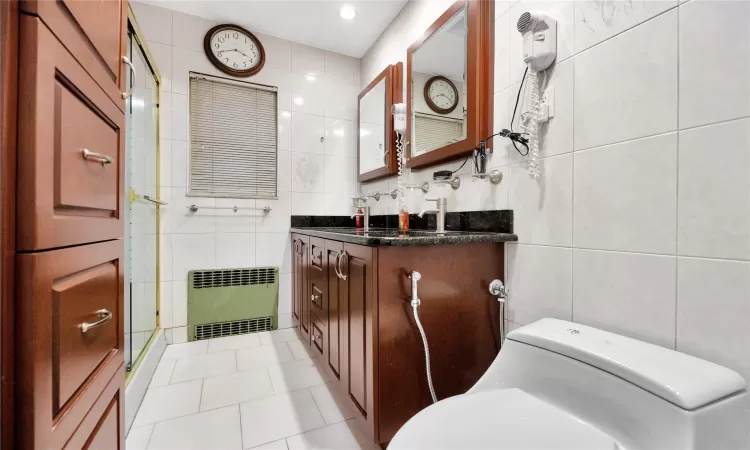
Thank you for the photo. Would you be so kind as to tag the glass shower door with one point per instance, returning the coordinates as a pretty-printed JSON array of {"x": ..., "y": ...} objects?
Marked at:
[{"x": 142, "y": 211}]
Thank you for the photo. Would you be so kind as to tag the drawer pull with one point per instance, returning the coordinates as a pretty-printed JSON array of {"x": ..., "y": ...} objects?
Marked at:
[
  {"x": 104, "y": 159},
  {"x": 344, "y": 254},
  {"x": 105, "y": 315},
  {"x": 127, "y": 94}
]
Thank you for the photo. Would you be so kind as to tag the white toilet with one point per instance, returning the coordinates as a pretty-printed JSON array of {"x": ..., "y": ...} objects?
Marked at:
[{"x": 560, "y": 385}]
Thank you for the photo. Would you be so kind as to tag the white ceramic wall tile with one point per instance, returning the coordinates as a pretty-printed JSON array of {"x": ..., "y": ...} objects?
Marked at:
[
  {"x": 308, "y": 133},
  {"x": 626, "y": 293},
  {"x": 284, "y": 172},
  {"x": 168, "y": 402},
  {"x": 241, "y": 221},
  {"x": 179, "y": 335},
  {"x": 233, "y": 342},
  {"x": 211, "y": 430},
  {"x": 286, "y": 321},
  {"x": 340, "y": 99},
  {"x": 188, "y": 31},
  {"x": 179, "y": 303},
  {"x": 284, "y": 142},
  {"x": 623, "y": 92},
  {"x": 344, "y": 435},
  {"x": 714, "y": 191},
  {"x": 341, "y": 204},
  {"x": 155, "y": 22},
  {"x": 308, "y": 173},
  {"x": 166, "y": 313},
  {"x": 202, "y": 366},
  {"x": 308, "y": 94},
  {"x": 307, "y": 60},
  {"x": 179, "y": 117},
  {"x": 235, "y": 388},
  {"x": 340, "y": 137},
  {"x": 168, "y": 337},
  {"x": 501, "y": 7},
  {"x": 714, "y": 61},
  {"x": 279, "y": 218},
  {"x": 193, "y": 252},
  {"x": 165, "y": 115},
  {"x": 543, "y": 208},
  {"x": 713, "y": 311},
  {"x": 165, "y": 162},
  {"x": 541, "y": 282},
  {"x": 563, "y": 11},
  {"x": 277, "y": 417},
  {"x": 502, "y": 51},
  {"x": 341, "y": 174},
  {"x": 334, "y": 407},
  {"x": 163, "y": 55},
  {"x": 625, "y": 196},
  {"x": 165, "y": 257},
  {"x": 179, "y": 155},
  {"x": 185, "y": 61},
  {"x": 285, "y": 293},
  {"x": 235, "y": 250},
  {"x": 307, "y": 204},
  {"x": 278, "y": 52},
  {"x": 273, "y": 249},
  {"x": 343, "y": 67}
]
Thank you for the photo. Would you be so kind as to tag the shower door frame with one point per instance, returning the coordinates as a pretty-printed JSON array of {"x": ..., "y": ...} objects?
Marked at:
[{"x": 140, "y": 41}]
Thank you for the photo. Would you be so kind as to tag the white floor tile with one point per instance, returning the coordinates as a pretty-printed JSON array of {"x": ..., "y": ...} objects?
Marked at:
[
  {"x": 235, "y": 388},
  {"x": 301, "y": 350},
  {"x": 276, "y": 445},
  {"x": 274, "y": 418},
  {"x": 289, "y": 334},
  {"x": 138, "y": 438},
  {"x": 296, "y": 375},
  {"x": 202, "y": 366},
  {"x": 333, "y": 406},
  {"x": 341, "y": 436},
  {"x": 263, "y": 356},
  {"x": 212, "y": 430},
  {"x": 163, "y": 373},
  {"x": 168, "y": 402},
  {"x": 177, "y": 351},
  {"x": 233, "y": 342}
]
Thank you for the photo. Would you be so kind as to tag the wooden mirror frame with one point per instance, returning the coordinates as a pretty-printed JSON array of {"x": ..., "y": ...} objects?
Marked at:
[
  {"x": 480, "y": 39},
  {"x": 393, "y": 75}
]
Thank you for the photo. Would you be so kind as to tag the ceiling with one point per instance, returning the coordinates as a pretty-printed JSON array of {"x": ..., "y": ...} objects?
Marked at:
[{"x": 313, "y": 22}]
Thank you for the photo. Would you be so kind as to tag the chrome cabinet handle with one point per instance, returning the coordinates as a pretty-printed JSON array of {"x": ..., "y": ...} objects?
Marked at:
[
  {"x": 106, "y": 316},
  {"x": 296, "y": 247},
  {"x": 103, "y": 159},
  {"x": 343, "y": 252},
  {"x": 336, "y": 264},
  {"x": 158, "y": 202},
  {"x": 129, "y": 92}
]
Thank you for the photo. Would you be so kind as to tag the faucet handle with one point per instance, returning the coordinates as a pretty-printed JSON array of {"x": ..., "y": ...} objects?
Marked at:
[{"x": 439, "y": 201}]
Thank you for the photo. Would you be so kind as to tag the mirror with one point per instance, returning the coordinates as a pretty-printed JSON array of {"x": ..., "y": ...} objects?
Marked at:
[
  {"x": 376, "y": 138},
  {"x": 449, "y": 84}
]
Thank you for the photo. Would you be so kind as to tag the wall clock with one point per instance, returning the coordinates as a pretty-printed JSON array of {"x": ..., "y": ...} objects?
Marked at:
[
  {"x": 441, "y": 94},
  {"x": 234, "y": 50}
]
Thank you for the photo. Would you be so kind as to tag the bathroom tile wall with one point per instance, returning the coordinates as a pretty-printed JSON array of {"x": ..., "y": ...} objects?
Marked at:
[
  {"x": 640, "y": 222},
  {"x": 317, "y": 96}
]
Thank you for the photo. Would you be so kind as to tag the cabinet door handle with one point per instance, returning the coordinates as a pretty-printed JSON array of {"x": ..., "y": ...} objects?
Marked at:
[
  {"x": 343, "y": 253},
  {"x": 129, "y": 92},
  {"x": 296, "y": 247},
  {"x": 103, "y": 159},
  {"x": 336, "y": 263},
  {"x": 106, "y": 316}
]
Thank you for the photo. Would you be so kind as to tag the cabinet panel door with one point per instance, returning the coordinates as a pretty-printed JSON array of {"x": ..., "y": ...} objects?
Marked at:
[
  {"x": 358, "y": 267},
  {"x": 336, "y": 316},
  {"x": 94, "y": 32},
  {"x": 70, "y": 327},
  {"x": 104, "y": 426}
]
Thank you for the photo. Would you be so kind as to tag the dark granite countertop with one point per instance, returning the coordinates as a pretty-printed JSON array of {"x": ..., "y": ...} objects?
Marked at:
[{"x": 392, "y": 237}]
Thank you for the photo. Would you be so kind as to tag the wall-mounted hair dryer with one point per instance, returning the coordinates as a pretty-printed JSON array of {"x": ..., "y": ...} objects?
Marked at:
[{"x": 539, "y": 39}]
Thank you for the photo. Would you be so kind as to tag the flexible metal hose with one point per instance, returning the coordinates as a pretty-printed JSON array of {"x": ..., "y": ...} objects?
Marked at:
[{"x": 426, "y": 352}]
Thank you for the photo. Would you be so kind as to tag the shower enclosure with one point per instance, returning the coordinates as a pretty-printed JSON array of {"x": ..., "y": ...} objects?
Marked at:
[{"x": 142, "y": 200}]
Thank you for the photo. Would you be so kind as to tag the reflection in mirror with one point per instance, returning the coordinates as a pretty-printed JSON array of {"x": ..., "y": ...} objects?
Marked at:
[
  {"x": 438, "y": 90},
  {"x": 372, "y": 132}
]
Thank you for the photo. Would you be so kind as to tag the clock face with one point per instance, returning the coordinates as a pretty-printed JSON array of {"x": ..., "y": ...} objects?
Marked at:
[
  {"x": 441, "y": 95},
  {"x": 234, "y": 50}
]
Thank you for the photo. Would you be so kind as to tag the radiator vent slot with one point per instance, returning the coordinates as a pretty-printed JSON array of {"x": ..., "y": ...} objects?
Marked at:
[
  {"x": 203, "y": 279},
  {"x": 215, "y": 330}
]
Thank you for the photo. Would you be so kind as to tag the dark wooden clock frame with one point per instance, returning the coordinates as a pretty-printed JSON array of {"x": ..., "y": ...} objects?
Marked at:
[
  {"x": 429, "y": 101},
  {"x": 228, "y": 70}
]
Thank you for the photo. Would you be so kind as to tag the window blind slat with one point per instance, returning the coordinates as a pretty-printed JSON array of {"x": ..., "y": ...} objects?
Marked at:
[
  {"x": 435, "y": 132},
  {"x": 233, "y": 140}
]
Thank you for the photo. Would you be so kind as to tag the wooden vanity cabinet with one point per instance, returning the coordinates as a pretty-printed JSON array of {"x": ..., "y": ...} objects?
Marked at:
[{"x": 361, "y": 323}]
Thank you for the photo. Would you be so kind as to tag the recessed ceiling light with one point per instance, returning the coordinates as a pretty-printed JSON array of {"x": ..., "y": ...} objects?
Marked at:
[{"x": 347, "y": 12}]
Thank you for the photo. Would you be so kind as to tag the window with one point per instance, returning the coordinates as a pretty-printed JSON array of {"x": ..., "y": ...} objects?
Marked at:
[
  {"x": 433, "y": 132},
  {"x": 232, "y": 139}
]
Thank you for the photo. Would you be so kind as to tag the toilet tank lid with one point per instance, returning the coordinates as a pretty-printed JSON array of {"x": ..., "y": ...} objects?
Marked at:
[{"x": 684, "y": 380}]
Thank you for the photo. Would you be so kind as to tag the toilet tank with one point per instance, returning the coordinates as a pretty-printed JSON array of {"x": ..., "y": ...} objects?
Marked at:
[{"x": 643, "y": 395}]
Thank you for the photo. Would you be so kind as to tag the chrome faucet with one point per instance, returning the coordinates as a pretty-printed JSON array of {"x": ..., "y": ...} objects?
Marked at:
[
  {"x": 365, "y": 214},
  {"x": 442, "y": 206}
]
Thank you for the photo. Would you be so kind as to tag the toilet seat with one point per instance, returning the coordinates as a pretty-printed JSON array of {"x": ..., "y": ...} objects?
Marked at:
[{"x": 501, "y": 419}]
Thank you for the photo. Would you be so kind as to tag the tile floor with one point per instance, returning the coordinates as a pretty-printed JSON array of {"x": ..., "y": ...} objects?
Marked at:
[{"x": 255, "y": 391}]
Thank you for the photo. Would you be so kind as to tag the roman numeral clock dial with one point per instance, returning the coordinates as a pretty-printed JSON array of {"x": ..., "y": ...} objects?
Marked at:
[{"x": 234, "y": 50}]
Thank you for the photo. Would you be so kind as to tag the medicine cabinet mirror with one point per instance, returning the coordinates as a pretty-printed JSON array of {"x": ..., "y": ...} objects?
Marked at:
[
  {"x": 376, "y": 140},
  {"x": 449, "y": 85}
]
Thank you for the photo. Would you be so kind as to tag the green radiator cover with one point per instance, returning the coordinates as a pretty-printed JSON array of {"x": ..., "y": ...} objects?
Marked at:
[{"x": 228, "y": 302}]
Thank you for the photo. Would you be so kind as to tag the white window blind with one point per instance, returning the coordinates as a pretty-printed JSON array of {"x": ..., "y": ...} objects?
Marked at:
[
  {"x": 232, "y": 139},
  {"x": 431, "y": 132}
]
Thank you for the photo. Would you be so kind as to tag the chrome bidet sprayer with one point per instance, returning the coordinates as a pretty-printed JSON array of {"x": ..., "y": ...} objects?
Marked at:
[{"x": 415, "y": 302}]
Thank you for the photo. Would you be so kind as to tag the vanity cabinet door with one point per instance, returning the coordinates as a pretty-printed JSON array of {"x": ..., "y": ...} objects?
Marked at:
[
  {"x": 358, "y": 268},
  {"x": 336, "y": 310},
  {"x": 300, "y": 302}
]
